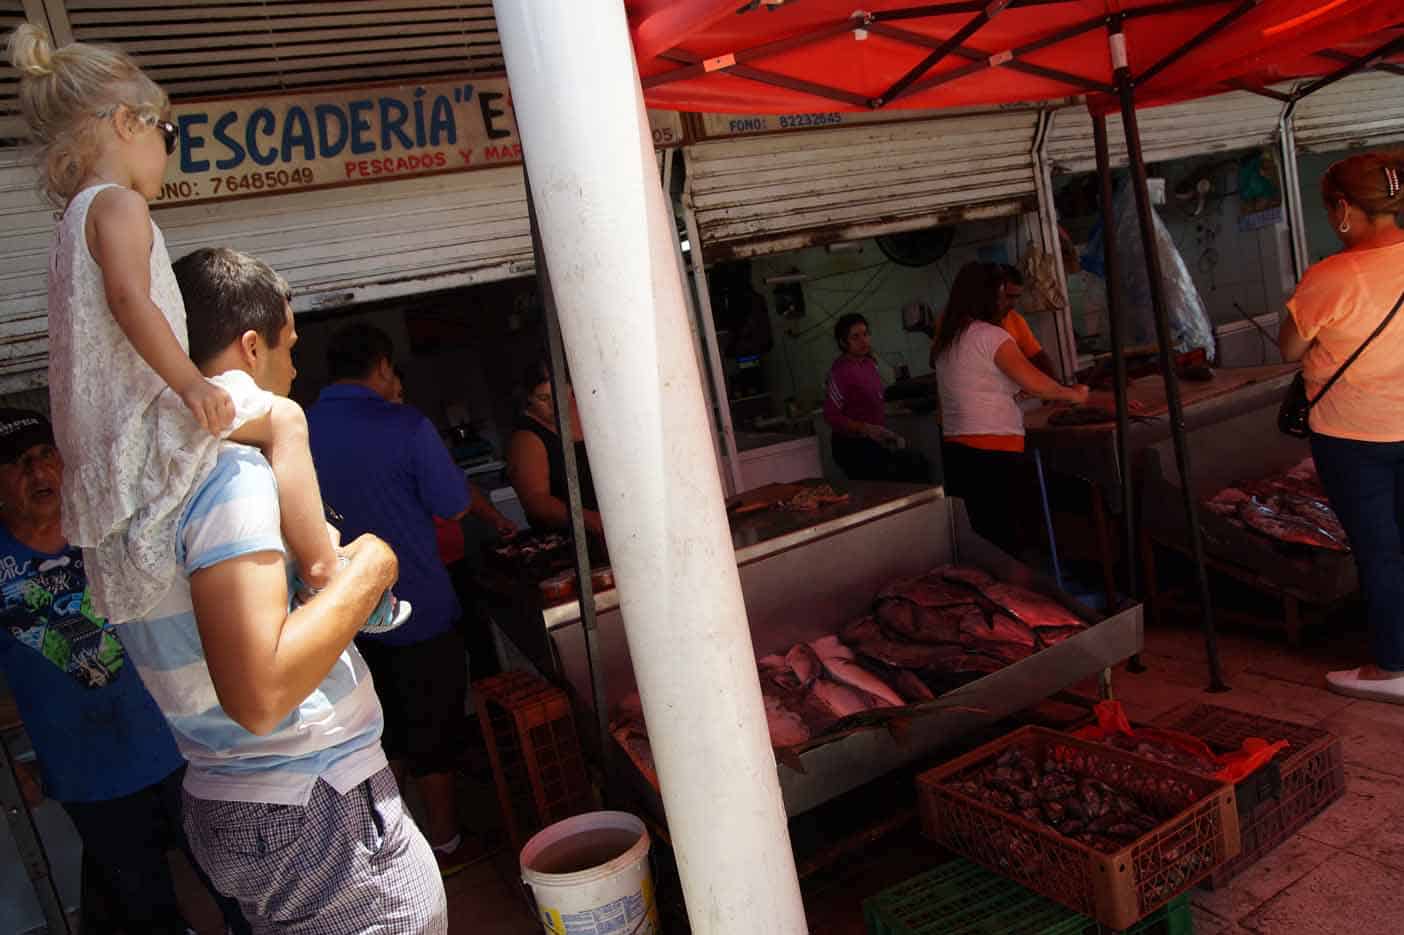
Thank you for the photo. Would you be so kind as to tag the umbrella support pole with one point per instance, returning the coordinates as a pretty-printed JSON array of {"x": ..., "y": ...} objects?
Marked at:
[
  {"x": 1161, "y": 312},
  {"x": 1116, "y": 310}
]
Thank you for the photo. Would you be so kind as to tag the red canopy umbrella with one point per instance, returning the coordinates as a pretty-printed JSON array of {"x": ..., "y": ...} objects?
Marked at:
[{"x": 778, "y": 56}]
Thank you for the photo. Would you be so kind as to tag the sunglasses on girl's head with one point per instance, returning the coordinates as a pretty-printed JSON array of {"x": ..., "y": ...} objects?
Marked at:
[{"x": 168, "y": 133}]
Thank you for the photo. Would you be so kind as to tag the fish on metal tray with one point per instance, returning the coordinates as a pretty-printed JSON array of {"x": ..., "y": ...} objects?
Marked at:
[
  {"x": 787, "y": 727},
  {"x": 804, "y": 663},
  {"x": 903, "y": 618},
  {"x": 1287, "y": 528},
  {"x": 967, "y": 662},
  {"x": 1052, "y": 636},
  {"x": 839, "y": 663},
  {"x": 930, "y": 590},
  {"x": 1318, "y": 513},
  {"x": 862, "y": 628},
  {"x": 912, "y": 688},
  {"x": 968, "y": 575},
  {"x": 1004, "y": 652},
  {"x": 901, "y": 654},
  {"x": 1227, "y": 501},
  {"x": 832, "y": 701},
  {"x": 1007, "y": 629},
  {"x": 776, "y": 672},
  {"x": 1031, "y": 607}
]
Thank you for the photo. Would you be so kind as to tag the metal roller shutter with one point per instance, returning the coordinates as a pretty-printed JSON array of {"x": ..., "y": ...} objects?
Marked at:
[
  {"x": 355, "y": 244},
  {"x": 767, "y": 194},
  {"x": 218, "y": 48},
  {"x": 335, "y": 247},
  {"x": 12, "y": 13},
  {"x": 1359, "y": 111},
  {"x": 1229, "y": 121},
  {"x": 28, "y": 222}
]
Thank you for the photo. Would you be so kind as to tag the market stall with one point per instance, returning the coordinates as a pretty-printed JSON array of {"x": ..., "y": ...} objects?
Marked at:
[
  {"x": 805, "y": 577},
  {"x": 693, "y": 48}
]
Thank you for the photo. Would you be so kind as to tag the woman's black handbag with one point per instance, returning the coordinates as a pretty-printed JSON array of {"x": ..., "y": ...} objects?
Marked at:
[{"x": 1293, "y": 415}]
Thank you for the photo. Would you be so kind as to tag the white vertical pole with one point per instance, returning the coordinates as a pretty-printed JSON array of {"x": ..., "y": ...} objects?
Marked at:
[{"x": 607, "y": 237}]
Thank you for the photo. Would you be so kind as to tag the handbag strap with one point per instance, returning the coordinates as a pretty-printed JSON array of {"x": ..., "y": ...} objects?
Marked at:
[{"x": 1351, "y": 359}]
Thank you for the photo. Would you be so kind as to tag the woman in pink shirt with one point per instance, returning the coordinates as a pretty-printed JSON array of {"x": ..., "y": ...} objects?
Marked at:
[
  {"x": 855, "y": 409},
  {"x": 1357, "y": 428}
]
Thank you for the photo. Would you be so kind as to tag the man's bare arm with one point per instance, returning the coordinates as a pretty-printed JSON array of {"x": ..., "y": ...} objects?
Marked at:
[{"x": 263, "y": 660}]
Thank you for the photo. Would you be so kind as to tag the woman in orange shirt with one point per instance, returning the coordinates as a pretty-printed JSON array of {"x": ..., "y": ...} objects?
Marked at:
[{"x": 1358, "y": 427}]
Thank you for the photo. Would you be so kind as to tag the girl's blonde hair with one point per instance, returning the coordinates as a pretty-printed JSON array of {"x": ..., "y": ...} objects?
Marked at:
[{"x": 65, "y": 95}]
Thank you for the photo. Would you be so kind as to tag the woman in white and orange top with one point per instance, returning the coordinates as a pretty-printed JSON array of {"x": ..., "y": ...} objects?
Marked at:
[
  {"x": 1358, "y": 427},
  {"x": 979, "y": 369}
]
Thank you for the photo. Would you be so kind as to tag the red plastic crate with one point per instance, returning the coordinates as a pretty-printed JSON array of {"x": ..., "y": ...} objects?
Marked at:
[
  {"x": 535, "y": 752},
  {"x": 1312, "y": 769},
  {"x": 1198, "y": 831}
]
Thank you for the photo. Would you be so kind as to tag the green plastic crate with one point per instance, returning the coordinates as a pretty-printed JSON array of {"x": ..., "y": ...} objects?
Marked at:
[{"x": 962, "y": 898}]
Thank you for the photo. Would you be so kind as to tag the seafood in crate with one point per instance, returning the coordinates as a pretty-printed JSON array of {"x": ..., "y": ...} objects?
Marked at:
[{"x": 1158, "y": 830}]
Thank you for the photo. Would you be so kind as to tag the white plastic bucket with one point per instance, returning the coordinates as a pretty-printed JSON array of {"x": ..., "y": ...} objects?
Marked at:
[{"x": 589, "y": 875}]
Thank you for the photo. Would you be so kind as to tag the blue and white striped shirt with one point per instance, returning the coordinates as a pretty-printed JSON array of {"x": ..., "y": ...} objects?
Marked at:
[{"x": 334, "y": 734}]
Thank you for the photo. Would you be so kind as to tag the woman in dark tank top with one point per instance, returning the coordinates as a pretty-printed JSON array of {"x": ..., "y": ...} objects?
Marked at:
[{"x": 536, "y": 460}]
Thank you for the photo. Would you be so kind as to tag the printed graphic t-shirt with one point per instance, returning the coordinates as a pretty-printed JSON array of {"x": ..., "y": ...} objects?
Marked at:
[{"x": 96, "y": 730}]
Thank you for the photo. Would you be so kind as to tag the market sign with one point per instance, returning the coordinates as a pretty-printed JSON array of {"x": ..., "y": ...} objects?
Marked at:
[
  {"x": 721, "y": 126},
  {"x": 268, "y": 145}
]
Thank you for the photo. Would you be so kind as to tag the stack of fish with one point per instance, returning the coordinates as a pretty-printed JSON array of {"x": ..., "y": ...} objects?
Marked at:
[
  {"x": 923, "y": 637},
  {"x": 1290, "y": 507}
]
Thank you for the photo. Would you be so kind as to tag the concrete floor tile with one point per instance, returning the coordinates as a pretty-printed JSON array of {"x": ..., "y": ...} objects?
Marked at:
[
  {"x": 1275, "y": 698},
  {"x": 1346, "y": 895},
  {"x": 1275, "y": 872},
  {"x": 481, "y": 904},
  {"x": 1372, "y": 735},
  {"x": 1305, "y": 666},
  {"x": 1147, "y": 696},
  {"x": 1206, "y": 923},
  {"x": 1370, "y": 798},
  {"x": 1237, "y": 651},
  {"x": 1383, "y": 844}
]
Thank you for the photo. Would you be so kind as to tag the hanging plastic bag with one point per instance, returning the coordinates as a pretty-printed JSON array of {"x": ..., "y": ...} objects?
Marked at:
[{"x": 1190, "y": 327}]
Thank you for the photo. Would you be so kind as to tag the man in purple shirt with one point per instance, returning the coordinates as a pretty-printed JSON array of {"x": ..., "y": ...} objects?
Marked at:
[
  {"x": 856, "y": 410},
  {"x": 383, "y": 467}
]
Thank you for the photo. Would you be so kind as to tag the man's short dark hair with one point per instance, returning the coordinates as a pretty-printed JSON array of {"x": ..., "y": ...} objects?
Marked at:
[
  {"x": 226, "y": 294},
  {"x": 1010, "y": 275},
  {"x": 355, "y": 350}
]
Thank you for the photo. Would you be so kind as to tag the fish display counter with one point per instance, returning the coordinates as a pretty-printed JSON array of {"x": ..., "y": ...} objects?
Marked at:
[
  {"x": 1088, "y": 450},
  {"x": 884, "y": 628},
  {"x": 1264, "y": 518}
]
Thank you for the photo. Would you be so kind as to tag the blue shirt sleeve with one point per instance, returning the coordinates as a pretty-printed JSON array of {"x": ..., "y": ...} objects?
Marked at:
[{"x": 440, "y": 483}]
